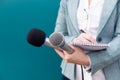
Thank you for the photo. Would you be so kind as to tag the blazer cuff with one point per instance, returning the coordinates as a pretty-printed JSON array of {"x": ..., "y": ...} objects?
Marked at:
[{"x": 88, "y": 68}]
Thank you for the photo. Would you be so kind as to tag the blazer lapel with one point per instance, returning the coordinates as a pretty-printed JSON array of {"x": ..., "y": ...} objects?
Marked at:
[
  {"x": 72, "y": 6},
  {"x": 108, "y": 7},
  {"x": 106, "y": 12}
]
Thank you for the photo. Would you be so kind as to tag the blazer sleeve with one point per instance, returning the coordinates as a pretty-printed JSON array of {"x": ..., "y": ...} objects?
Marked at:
[
  {"x": 101, "y": 59},
  {"x": 61, "y": 25}
]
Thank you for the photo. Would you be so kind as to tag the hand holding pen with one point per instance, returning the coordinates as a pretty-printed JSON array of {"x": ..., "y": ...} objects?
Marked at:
[{"x": 84, "y": 37}]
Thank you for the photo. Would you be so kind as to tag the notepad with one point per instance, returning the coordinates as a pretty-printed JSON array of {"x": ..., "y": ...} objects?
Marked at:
[{"x": 90, "y": 46}]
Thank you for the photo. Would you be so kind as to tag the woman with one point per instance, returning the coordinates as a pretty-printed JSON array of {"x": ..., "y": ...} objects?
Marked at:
[{"x": 100, "y": 19}]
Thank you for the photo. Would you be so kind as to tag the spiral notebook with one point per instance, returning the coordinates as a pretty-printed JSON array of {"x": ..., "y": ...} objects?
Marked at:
[{"x": 90, "y": 46}]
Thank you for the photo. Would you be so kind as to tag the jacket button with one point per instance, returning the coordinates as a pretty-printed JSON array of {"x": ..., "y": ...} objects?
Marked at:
[{"x": 99, "y": 39}]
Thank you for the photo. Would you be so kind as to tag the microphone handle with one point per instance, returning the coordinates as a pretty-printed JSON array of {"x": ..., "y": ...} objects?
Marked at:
[{"x": 67, "y": 48}]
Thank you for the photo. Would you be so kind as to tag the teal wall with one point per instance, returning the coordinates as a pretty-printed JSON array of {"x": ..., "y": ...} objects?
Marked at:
[{"x": 18, "y": 59}]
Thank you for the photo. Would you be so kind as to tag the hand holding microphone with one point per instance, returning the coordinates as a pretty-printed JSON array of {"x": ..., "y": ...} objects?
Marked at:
[
  {"x": 37, "y": 38},
  {"x": 71, "y": 54}
]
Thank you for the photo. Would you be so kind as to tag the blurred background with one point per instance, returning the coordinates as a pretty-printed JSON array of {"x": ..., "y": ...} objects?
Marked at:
[{"x": 18, "y": 59}]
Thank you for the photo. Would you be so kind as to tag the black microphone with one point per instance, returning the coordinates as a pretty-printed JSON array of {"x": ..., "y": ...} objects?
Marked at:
[
  {"x": 57, "y": 40},
  {"x": 37, "y": 37}
]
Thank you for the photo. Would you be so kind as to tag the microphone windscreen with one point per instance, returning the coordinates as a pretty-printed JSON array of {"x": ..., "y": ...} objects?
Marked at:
[
  {"x": 56, "y": 39},
  {"x": 36, "y": 37}
]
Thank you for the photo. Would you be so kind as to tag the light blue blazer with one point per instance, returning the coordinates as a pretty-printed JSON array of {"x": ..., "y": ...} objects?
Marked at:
[{"x": 109, "y": 32}]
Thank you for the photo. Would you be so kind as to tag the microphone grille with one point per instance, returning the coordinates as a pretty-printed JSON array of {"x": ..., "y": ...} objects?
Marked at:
[
  {"x": 36, "y": 37},
  {"x": 56, "y": 39}
]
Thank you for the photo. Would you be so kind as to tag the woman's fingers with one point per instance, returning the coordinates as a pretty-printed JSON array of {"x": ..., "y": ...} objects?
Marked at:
[
  {"x": 60, "y": 53},
  {"x": 89, "y": 38},
  {"x": 85, "y": 38}
]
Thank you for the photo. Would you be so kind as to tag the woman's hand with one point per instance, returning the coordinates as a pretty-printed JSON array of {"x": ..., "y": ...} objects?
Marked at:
[
  {"x": 77, "y": 57},
  {"x": 84, "y": 37}
]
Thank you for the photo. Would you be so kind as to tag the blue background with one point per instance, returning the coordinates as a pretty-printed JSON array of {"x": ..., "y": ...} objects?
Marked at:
[{"x": 18, "y": 59}]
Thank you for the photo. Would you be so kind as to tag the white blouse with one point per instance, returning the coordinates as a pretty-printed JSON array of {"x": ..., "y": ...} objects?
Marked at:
[{"x": 88, "y": 19}]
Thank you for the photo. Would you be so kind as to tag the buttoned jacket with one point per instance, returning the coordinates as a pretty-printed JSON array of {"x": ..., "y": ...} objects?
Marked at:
[{"x": 109, "y": 32}]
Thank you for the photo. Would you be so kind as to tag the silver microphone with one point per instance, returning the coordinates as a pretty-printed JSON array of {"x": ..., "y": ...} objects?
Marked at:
[{"x": 57, "y": 40}]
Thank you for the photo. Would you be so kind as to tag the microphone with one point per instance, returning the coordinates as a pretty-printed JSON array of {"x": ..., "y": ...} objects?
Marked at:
[
  {"x": 37, "y": 37},
  {"x": 57, "y": 40}
]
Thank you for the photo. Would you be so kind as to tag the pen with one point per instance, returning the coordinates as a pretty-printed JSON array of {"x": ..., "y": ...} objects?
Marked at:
[
  {"x": 88, "y": 38},
  {"x": 82, "y": 31}
]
